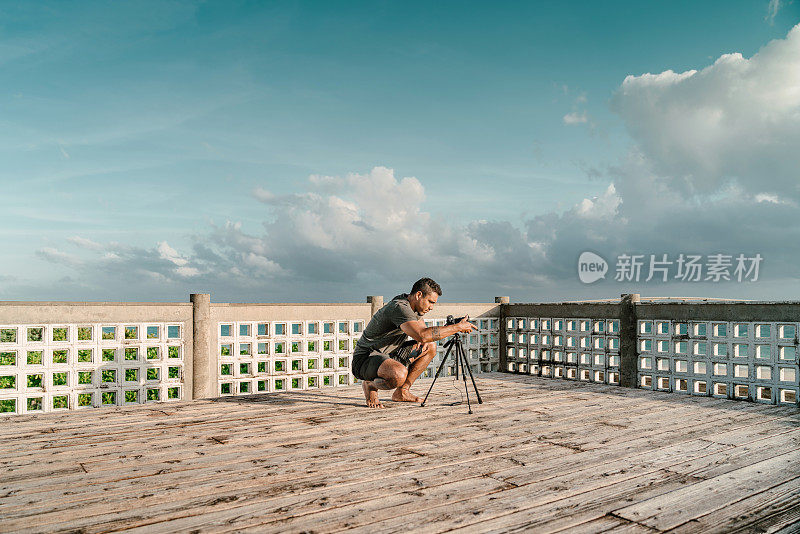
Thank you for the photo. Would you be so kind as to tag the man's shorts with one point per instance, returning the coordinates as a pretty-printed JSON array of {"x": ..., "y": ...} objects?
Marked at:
[{"x": 368, "y": 367}]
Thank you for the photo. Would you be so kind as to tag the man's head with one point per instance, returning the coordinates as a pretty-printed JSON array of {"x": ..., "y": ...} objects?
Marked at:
[{"x": 424, "y": 294}]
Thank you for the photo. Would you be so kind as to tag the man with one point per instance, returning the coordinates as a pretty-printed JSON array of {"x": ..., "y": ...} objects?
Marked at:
[{"x": 384, "y": 359}]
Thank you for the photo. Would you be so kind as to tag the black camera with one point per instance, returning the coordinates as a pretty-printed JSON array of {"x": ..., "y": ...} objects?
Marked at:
[{"x": 451, "y": 320}]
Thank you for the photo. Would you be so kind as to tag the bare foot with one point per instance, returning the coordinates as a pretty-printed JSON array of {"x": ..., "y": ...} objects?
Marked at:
[
  {"x": 371, "y": 394},
  {"x": 404, "y": 395}
]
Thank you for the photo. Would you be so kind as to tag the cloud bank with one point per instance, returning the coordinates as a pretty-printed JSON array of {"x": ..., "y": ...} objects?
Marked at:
[{"x": 713, "y": 169}]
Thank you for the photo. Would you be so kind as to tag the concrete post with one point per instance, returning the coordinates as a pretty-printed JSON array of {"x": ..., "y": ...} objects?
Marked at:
[
  {"x": 204, "y": 383},
  {"x": 628, "y": 351},
  {"x": 503, "y": 356},
  {"x": 377, "y": 303}
]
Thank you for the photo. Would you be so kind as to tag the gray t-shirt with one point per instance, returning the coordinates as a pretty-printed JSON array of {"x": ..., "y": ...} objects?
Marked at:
[{"x": 383, "y": 332}]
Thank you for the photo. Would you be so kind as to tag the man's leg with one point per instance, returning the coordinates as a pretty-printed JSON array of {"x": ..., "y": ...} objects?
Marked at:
[
  {"x": 403, "y": 392},
  {"x": 391, "y": 374}
]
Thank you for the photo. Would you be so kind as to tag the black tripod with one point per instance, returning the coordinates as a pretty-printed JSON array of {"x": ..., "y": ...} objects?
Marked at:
[{"x": 460, "y": 356}]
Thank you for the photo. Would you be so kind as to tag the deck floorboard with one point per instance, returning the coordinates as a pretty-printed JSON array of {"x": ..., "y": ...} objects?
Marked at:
[{"x": 539, "y": 455}]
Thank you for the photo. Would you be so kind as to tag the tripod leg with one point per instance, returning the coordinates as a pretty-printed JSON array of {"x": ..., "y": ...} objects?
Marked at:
[
  {"x": 457, "y": 362},
  {"x": 472, "y": 377},
  {"x": 439, "y": 370},
  {"x": 463, "y": 357}
]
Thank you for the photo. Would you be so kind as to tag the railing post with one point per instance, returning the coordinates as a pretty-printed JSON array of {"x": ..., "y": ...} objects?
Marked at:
[
  {"x": 628, "y": 364},
  {"x": 503, "y": 302},
  {"x": 377, "y": 303},
  {"x": 204, "y": 359}
]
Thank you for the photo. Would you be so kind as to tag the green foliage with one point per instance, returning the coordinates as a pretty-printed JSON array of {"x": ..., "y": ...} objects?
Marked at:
[
  {"x": 153, "y": 394},
  {"x": 61, "y": 401},
  {"x": 173, "y": 393},
  {"x": 35, "y": 334},
  {"x": 297, "y": 365},
  {"x": 84, "y": 399},
  {"x": 8, "y": 358},
  {"x": 132, "y": 396},
  {"x": 244, "y": 368},
  {"x": 225, "y": 369},
  {"x": 109, "y": 355},
  {"x": 244, "y": 387},
  {"x": 131, "y": 375},
  {"x": 225, "y": 350},
  {"x": 84, "y": 333},
  {"x": 109, "y": 376},
  {"x": 8, "y": 382},
  {"x": 261, "y": 385},
  {"x": 173, "y": 372},
  {"x": 8, "y": 335},
  {"x": 131, "y": 353},
  {"x": 152, "y": 353},
  {"x": 262, "y": 367},
  {"x": 278, "y": 385},
  {"x": 173, "y": 352},
  {"x": 225, "y": 388},
  {"x": 60, "y": 356},
  {"x": 35, "y": 404},
  {"x": 34, "y": 381},
  {"x": 109, "y": 397},
  {"x": 59, "y": 379},
  {"x": 8, "y": 405},
  {"x": 109, "y": 332},
  {"x": 152, "y": 332},
  {"x": 61, "y": 334},
  {"x": 152, "y": 373},
  {"x": 35, "y": 357},
  {"x": 279, "y": 366},
  {"x": 131, "y": 332},
  {"x": 85, "y": 377},
  {"x": 85, "y": 355}
]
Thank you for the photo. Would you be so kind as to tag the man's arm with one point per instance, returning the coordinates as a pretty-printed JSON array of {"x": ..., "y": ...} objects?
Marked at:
[{"x": 419, "y": 332}]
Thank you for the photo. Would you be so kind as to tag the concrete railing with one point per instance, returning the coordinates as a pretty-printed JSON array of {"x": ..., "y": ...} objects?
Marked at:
[
  {"x": 61, "y": 355},
  {"x": 67, "y": 355},
  {"x": 734, "y": 350}
]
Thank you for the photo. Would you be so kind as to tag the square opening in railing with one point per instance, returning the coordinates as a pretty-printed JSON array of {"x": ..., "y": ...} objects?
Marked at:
[
  {"x": 8, "y": 335},
  {"x": 153, "y": 332}
]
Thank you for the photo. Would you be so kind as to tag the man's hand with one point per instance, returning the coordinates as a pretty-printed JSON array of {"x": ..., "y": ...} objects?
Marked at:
[{"x": 465, "y": 326}]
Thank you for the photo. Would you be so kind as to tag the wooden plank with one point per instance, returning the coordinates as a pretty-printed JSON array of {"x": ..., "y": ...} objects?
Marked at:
[
  {"x": 767, "y": 511},
  {"x": 675, "y": 508}
]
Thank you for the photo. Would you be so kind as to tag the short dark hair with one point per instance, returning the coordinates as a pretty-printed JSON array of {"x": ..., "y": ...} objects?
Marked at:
[{"x": 426, "y": 285}]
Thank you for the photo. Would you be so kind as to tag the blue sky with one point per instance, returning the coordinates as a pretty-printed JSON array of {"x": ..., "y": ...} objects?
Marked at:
[{"x": 137, "y": 138}]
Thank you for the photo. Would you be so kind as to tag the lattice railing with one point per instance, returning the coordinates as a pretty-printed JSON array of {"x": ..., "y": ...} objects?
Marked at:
[
  {"x": 271, "y": 356},
  {"x": 481, "y": 347},
  {"x": 46, "y": 368},
  {"x": 574, "y": 349},
  {"x": 740, "y": 360}
]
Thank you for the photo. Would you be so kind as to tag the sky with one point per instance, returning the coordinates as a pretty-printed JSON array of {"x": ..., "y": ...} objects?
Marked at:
[{"x": 325, "y": 151}]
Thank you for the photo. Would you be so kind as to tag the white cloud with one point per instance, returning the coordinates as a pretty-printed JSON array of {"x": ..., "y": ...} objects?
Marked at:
[
  {"x": 84, "y": 243},
  {"x": 576, "y": 118},
  {"x": 734, "y": 122},
  {"x": 57, "y": 256},
  {"x": 772, "y": 10}
]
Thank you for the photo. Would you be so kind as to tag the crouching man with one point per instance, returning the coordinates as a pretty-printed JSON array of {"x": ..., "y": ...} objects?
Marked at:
[{"x": 383, "y": 357}]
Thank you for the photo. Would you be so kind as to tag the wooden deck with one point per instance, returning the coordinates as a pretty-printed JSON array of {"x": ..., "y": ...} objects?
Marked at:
[{"x": 538, "y": 456}]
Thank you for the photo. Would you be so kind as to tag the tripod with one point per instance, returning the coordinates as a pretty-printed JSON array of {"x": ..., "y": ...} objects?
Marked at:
[{"x": 460, "y": 356}]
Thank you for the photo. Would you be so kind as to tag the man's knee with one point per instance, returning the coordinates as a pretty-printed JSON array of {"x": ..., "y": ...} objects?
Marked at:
[{"x": 393, "y": 373}]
